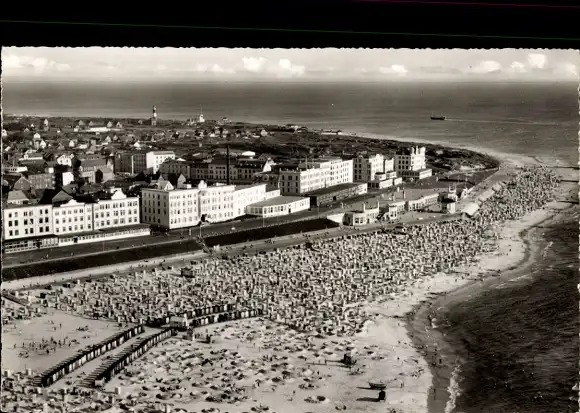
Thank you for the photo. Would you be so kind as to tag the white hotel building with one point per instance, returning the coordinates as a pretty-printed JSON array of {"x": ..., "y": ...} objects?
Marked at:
[
  {"x": 168, "y": 207},
  {"x": 365, "y": 168},
  {"x": 310, "y": 176},
  {"x": 25, "y": 221},
  {"x": 111, "y": 216},
  {"x": 411, "y": 163}
]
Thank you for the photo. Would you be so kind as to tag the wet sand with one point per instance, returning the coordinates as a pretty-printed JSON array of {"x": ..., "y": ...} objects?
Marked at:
[{"x": 519, "y": 241}]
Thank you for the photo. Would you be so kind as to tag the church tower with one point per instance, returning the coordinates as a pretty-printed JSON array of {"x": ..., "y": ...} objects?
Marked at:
[{"x": 154, "y": 117}]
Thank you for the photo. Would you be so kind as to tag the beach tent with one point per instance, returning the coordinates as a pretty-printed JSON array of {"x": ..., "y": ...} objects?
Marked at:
[{"x": 470, "y": 209}]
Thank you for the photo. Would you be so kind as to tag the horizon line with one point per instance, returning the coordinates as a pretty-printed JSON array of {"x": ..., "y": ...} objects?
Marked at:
[{"x": 7, "y": 80}]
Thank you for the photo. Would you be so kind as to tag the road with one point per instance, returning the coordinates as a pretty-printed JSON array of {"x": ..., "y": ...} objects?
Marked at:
[
  {"x": 178, "y": 236},
  {"x": 230, "y": 251}
]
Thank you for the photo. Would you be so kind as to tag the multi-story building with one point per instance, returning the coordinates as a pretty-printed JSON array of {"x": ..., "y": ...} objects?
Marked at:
[
  {"x": 25, "y": 221},
  {"x": 310, "y": 176},
  {"x": 410, "y": 159},
  {"x": 242, "y": 171},
  {"x": 46, "y": 180},
  {"x": 72, "y": 217},
  {"x": 154, "y": 159},
  {"x": 114, "y": 209},
  {"x": 183, "y": 206},
  {"x": 245, "y": 195},
  {"x": 168, "y": 207},
  {"x": 135, "y": 162},
  {"x": 64, "y": 217},
  {"x": 366, "y": 167},
  {"x": 410, "y": 163},
  {"x": 217, "y": 171},
  {"x": 87, "y": 168},
  {"x": 247, "y": 169},
  {"x": 216, "y": 203}
]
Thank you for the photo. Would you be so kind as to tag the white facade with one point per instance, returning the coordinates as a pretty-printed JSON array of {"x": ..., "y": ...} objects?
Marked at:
[
  {"x": 65, "y": 159},
  {"x": 216, "y": 202},
  {"x": 119, "y": 211},
  {"x": 366, "y": 168},
  {"x": 155, "y": 158},
  {"x": 8, "y": 169},
  {"x": 423, "y": 202},
  {"x": 361, "y": 217},
  {"x": 67, "y": 178},
  {"x": 139, "y": 161},
  {"x": 300, "y": 181},
  {"x": 278, "y": 206},
  {"x": 72, "y": 217},
  {"x": 411, "y": 160},
  {"x": 27, "y": 221},
  {"x": 247, "y": 195},
  {"x": 311, "y": 176},
  {"x": 169, "y": 207}
]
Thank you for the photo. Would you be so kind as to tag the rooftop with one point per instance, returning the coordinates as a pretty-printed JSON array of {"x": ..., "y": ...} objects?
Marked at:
[
  {"x": 332, "y": 189},
  {"x": 279, "y": 200}
]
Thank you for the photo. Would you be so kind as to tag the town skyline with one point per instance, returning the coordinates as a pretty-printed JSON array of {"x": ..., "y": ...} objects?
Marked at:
[{"x": 307, "y": 65}]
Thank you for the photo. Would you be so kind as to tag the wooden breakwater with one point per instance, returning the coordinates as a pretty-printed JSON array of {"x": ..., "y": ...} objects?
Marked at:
[
  {"x": 69, "y": 365},
  {"x": 108, "y": 370},
  {"x": 190, "y": 314}
]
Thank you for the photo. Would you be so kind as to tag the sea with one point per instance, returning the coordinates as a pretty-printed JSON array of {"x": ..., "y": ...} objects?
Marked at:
[{"x": 532, "y": 327}]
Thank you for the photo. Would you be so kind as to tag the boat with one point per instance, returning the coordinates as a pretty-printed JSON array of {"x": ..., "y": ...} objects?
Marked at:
[
  {"x": 377, "y": 385},
  {"x": 440, "y": 117}
]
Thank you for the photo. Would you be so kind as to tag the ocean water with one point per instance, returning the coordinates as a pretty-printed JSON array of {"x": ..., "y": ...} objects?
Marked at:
[
  {"x": 528, "y": 118},
  {"x": 523, "y": 340},
  {"x": 530, "y": 328}
]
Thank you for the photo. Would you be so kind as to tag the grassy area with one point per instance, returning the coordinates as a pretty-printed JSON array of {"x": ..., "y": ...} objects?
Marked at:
[
  {"x": 152, "y": 251},
  {"x": 107, "y": 258},
  {"x": 258, "y": 234}
]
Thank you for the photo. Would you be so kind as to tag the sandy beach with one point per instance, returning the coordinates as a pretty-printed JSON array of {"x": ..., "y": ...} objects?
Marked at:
[{"x": 519, "y": 249}]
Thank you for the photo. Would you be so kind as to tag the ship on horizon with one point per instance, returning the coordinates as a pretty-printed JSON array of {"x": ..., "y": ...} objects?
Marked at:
[{"x": 437, "y": 117}]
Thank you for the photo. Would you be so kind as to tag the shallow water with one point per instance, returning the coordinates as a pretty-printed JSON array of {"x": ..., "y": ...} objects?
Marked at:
[{"x": 522, "y": 339}]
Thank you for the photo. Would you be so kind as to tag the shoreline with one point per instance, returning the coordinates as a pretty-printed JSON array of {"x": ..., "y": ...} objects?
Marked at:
[
  {"x": 418, "y": 301},
  {"x": 431, "y": 342}
]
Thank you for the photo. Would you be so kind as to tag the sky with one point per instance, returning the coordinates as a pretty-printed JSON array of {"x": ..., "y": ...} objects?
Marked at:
[{"x": 222, "y": 64}]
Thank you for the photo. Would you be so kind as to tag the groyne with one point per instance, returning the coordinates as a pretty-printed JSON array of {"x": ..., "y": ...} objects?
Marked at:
[{"x": 71, "y": 364}]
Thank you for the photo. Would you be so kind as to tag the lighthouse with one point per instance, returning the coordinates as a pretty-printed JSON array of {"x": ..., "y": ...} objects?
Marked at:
[{"x": 154, "y": 117}]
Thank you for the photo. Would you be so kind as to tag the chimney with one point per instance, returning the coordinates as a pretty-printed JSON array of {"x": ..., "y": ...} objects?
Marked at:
[{"x": 228, "y": 164}]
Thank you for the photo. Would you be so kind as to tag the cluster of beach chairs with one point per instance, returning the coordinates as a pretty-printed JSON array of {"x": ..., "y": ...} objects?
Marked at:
[{"x": 321, "y": 288}]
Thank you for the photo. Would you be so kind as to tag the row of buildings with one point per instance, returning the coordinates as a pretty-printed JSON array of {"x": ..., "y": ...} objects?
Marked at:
[
  {"x": 211, "y": 191},
  {"x": 301, "y": 177},
  {"x": 49, "y": 218}
]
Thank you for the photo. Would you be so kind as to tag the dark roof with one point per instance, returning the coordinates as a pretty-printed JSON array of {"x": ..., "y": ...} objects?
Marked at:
[
  {"x": 250, "y": 163},
  {"x": 11, "y": 179},
  {"x": 35, "y": 169},
  {"x": 332, "y": 189},
  {"x": 172, "y": 178},
  {"x": 93, "y": 162}
]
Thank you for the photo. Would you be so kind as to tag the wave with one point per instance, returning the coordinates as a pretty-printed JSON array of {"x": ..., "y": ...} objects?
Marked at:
[{"x": 454, "y": 389}]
